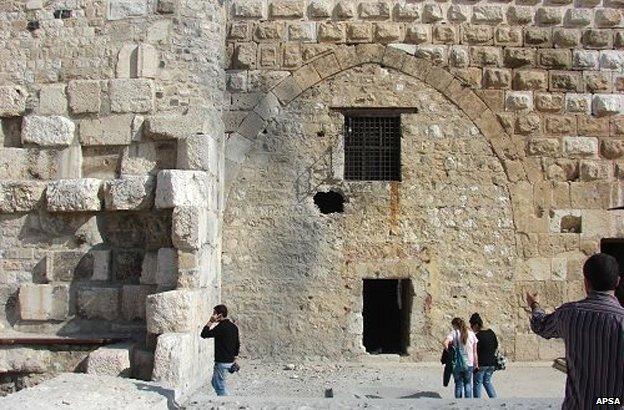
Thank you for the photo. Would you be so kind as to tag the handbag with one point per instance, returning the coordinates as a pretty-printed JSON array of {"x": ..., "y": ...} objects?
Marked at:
[
  {"x": 500, "y": 361},
  {"x": 459, "y": 363}
]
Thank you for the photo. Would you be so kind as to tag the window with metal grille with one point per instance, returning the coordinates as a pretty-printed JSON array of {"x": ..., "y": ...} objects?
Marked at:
[{"x": 372, "y": 147}]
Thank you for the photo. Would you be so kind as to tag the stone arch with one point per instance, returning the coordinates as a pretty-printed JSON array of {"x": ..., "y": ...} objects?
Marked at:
[{"x": 338, "y": 60}]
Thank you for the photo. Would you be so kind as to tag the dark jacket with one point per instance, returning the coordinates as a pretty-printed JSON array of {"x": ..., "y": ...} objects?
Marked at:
[
  {"x": 447, "y": 361},
  {"x": 227, "y": 344}
]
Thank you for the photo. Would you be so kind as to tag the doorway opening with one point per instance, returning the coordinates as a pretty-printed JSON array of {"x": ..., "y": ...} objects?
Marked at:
[
  {"x": 387, "y": 309},
  {"x": 613, "y": 247}
]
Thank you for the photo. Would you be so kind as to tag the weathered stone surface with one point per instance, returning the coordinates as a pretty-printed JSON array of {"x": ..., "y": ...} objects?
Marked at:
[
  {"x": 109, "y": 130},
  {"x": 111, "y": 360},
  {"x": 179, "y": 188},
  {"x": 170, "y": 126},
  {"x": 129, "y": 193},
  {"x": 167, "y": 267},
  {"x": 172, "y": 311},
  {"x": 25, "y": 360},
  {"x": 149, "y": 268},
  {"x": 84, "y": 96},
  {"x": 193, "y": 227},
  {"x": 580, "y": 146},
  {"x": 123, "y": 9},
  {"x": 52, "y": 100},
  {"x": 68, "y": 266},
  {"x": 133, "y": 300},
  {"x": 20, "y": 196},
  {"x": 44, "y": 302},
  {"x": 101, "y": 265},
  {"x": 132, "y": 95},
  {"x": 518, "y": 101},
  {"x": 607, "y": 104},
  {"x": 98, "y": 303},
  {"x": 73, "y": 195},
  {"x": 52, "y": 131},
  {"x": 127, "y": 265},
  {"x": 171, "y": 366},
  {"x": 12, "y": 100},
  {"x": 199, "y": 152}
]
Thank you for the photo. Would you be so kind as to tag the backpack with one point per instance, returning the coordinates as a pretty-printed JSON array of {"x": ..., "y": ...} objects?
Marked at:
[{"x": 460, "y": 356}]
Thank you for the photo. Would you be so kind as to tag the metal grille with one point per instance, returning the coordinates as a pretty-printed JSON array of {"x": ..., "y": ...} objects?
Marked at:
[{"x": 372, "y": 148}]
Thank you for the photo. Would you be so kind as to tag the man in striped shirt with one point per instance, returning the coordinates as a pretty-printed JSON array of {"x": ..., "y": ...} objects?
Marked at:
[{"x": 593, "y": 332}]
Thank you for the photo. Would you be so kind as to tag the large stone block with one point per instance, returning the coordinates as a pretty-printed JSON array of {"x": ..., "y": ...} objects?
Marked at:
[
  {"x": 167, "y": 268},
  {"x": 172, "y": 311},
  {"x": 101, "y": 264},
  {"x": 24, "y": 360},
  {"x": 607, "y": 104},
  {"x": 68, "y": 266},
  {"x": 52, "y": 100},
  {"x": 132, "y": 95},
  {"x": 85, "y": 96},
  {"x": 149, "y": 268},
  {"x": 193, "y": 227},
  {"x": 74, "y": 195},
  {"x": 44, "y": 302},
  {"x": 580, "y": 146},
  {"x": 179, "y": 188},
  {"x": 20, "y": 196},
  {"x": 133, "y": 300},
  {"x": 130, "y": 193},
  {"x": 51, "y": 131},
  {"x": 98, "y": 303},
  {"x": 173, "y": 360},
  {"x": 175, "y": 126},
  {"x": 199, "y": 152},
  {"x": 127, "y": 265},
  {"x": 111, "y": 130},
  {"x": 12, "y": 101},
  {"x": 112, "y": 360}
]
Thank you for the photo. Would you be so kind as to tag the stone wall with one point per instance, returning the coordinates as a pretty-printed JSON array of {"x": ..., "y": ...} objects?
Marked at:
[
  {"x": 541, "y": 82},
  {"x": 110, "y": 190}
]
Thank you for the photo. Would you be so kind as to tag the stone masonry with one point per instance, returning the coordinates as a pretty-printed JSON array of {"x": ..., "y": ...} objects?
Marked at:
[{"x": 159, "y": 156}]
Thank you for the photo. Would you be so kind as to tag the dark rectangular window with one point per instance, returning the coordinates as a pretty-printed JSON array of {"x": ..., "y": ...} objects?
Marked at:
[{"x": 372, "y": 147}]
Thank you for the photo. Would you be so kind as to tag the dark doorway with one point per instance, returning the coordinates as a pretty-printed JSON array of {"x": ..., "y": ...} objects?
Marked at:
[
  {"x": 613, "y": 247},
  {"x": 387, "y": 307}
]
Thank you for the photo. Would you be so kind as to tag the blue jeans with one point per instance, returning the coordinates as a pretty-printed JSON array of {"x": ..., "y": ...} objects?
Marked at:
[
  {"x": 219, "y": 375},
  {"x": 463, "y": 383},
  {"x": 483, "y": 377}
]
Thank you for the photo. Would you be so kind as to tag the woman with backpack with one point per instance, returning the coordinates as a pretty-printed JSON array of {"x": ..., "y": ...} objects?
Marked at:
[
  {"x": 488, "y": 343},
  {"x": 465, "y": 358}
]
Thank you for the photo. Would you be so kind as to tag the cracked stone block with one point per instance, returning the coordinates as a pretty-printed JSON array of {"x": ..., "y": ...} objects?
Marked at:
[
  {"x": 111, "y": 360},
  {"x": 132, "y": 95},
  {"x": 110, "y": 130},
  {"x": 133, "y": 299},
  {"x": 85, "y": 96},
  {"x": 129, "y": 193},
  {"x": 44, "y": 302},
  {"x": 172, "y": 311},
  {"x": 98, "y": 303},
  {"x": 20, "y": 196},
  {"x": 12, "y": 101},
  {"x": 48, "y": 131},
  {"x": 199, "y": 152},
  {"x": 73, "y": 195},
  {"x": 167, "y": 267},
  {"x": 68, "y": 266},
  {"x": 123, "y": 9},
  {"x": 179, "y": 188}
]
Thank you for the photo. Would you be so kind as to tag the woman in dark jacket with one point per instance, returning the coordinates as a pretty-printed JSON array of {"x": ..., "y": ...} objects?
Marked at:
[{"x": 486, "y": 350}]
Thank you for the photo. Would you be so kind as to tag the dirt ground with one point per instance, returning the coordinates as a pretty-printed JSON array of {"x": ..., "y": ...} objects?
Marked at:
[{"x": 377, "y": 385}]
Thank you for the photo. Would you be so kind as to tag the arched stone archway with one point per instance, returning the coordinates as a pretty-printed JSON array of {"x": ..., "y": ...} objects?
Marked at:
[
  {"x": 285, "y": 262},
  {"x": 338, "y": 60}
]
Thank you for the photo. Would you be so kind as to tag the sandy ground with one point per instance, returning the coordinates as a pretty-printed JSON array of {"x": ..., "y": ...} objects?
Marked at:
[{"x": 378, "y": 385}]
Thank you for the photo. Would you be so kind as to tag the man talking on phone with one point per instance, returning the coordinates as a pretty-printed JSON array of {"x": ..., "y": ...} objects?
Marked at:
[{"x": 226, "y": 346}]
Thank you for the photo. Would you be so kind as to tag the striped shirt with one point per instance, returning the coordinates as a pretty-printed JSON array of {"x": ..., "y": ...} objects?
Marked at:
[{"x": 593, "y": 332}]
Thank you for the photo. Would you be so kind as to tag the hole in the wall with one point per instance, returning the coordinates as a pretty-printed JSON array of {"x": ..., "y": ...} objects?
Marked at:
[
  {"x": 329, "y": 202},
  {"x": 62, "y": 14},
  {"x": 615, "y": 248},
  {"x": 11, "y": 132},
  {"x": 320, "y": 134},
  {"x": 387, "y": 312},
  {"x": 33, "y": 25},
  {"x": 571, "y": 224}
]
